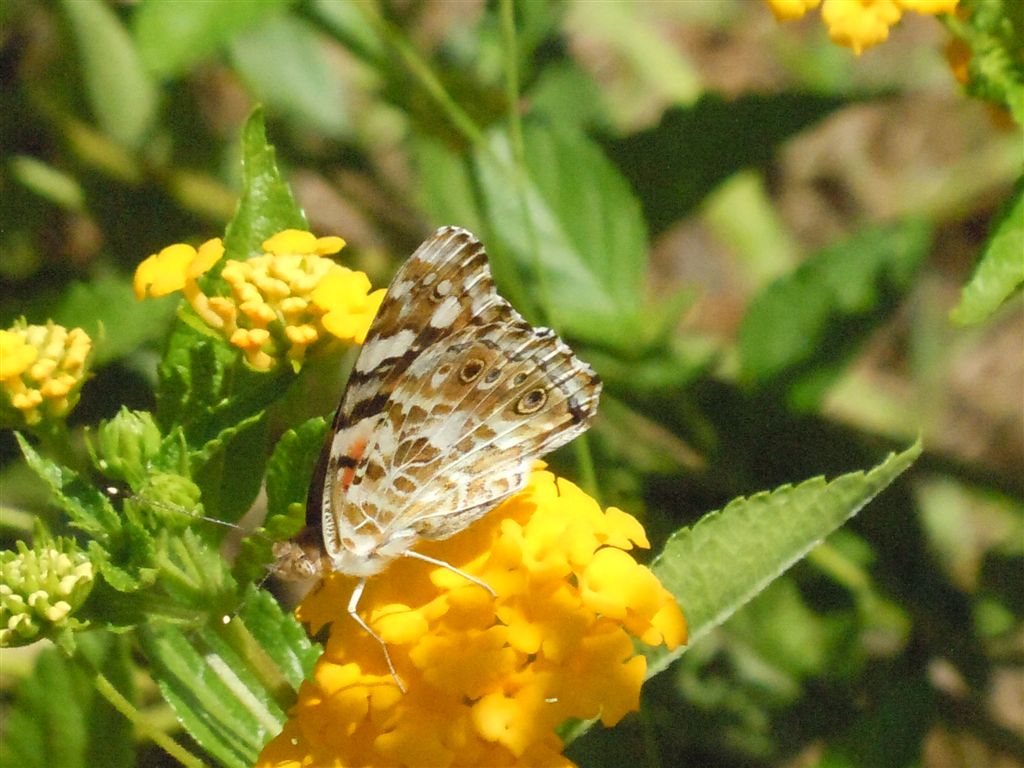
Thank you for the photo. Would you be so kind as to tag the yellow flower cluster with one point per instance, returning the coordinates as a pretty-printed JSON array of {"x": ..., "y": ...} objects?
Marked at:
[
  {"x": 280, "y": 302},
  {"x": 488, "y": 678},
  {"x": 859, "y": 24},
  {"x": 42, "y": 369}
]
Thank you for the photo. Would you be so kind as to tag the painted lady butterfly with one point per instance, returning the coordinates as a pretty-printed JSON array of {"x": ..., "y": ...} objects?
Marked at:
[{"x": 453, "y": 397}]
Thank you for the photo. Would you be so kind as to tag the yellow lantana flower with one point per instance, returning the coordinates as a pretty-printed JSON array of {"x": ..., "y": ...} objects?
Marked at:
[
  {"x": 281, "y": 301},
  {"x": 488, "y": 678},
  {"x": 859, "y": 24},
  {"x": 42, "y": 369}
]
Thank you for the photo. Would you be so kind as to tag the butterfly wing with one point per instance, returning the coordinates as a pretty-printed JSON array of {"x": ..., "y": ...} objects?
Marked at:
[{"x": 466, "y": 424}]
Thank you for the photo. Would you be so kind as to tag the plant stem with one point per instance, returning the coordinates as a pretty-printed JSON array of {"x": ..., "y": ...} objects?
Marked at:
[
  {"x": 106, "y": 689},
  {"x": 426, "y": 78}
]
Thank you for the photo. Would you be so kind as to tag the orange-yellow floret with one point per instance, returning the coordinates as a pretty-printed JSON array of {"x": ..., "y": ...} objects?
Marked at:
[
  {"x": 488, "y": 678},
  {"x": 859, "y": 24},
  {"x": 291, "y": 293}
]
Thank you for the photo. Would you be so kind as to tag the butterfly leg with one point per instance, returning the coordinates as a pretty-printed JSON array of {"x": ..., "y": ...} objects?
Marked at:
[
  {"x": 353, "y": 605},
  {"x": 452, "y": 568}
]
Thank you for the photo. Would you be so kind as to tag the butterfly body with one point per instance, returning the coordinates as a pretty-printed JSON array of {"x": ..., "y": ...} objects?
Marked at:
[{"x": 451, "y": 400}]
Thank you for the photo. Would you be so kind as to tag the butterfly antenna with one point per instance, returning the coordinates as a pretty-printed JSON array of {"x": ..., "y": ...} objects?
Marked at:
[
  {"x": 452, "y": 568},
  {"x": 353, "y": 605}
]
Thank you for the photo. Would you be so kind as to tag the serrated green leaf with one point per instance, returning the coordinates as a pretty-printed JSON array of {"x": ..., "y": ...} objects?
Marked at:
[
  {"x": 301, "y": 79},
  {"x": 290, "y": 467},
  {"x": 230, "y": 478},
  {"x": 1001, "y": 269},
  {"x": 172, "y": 37},
  {"x": 267, "y": 205},
  {"x": 88, "y": 509},
  {"x": 231, "y": 685},
  {"x": 731, "y": 555},
  {"x": 673, "y": 166},
  {"x": 57, "y": 719},
  {"x": 121, "y": 94}
]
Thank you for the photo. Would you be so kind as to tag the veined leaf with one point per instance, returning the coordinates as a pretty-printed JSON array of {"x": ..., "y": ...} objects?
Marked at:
[
  {"x": 1001, "y": 270},
  {"x": 572, "y": 222},
  {"x": 231, "y": 685},
  {"x": 86, "y": 506},
  {"x": 730, "y": 555}
]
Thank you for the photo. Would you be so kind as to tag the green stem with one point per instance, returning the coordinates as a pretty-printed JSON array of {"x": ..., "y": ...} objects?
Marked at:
[
  {"x": 423, "y": 74},
  {"x": 585, "y": 465},
  {"x": 517, "y": 171},
  {"x": 142, "y": 726}
]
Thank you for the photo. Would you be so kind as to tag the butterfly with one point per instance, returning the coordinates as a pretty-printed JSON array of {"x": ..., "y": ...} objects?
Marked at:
[{"x": 451, "y": 400}]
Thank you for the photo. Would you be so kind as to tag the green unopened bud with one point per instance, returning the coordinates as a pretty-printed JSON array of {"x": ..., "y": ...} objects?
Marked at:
[
  {"x": 126, "y": 444},
  {"x": 173, "y": 499},
  {"x": 40, "y": 589}
]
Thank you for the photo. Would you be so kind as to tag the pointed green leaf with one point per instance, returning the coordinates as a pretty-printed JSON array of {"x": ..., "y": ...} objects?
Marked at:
[
  {"x": 267, "y": 205},
  {"x": 731, "y": 555},
  {"x": 290, "y": 468},
  {"x": 230, "y": 685},
  {"x": 87, "y": 507},
  {"x": 229, "y": 468},
  {"x": 1001, "y": 269},
  {"x": 122, "y": 96}
]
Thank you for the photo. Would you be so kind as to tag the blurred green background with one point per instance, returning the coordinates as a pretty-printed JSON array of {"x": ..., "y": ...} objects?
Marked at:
[{"x": 809, "y": 219}]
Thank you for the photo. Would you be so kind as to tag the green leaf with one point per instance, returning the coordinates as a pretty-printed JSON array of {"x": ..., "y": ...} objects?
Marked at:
[
  {"x": 301, "y": 79},
  {"x": 267, "y": 205},
  {"x": 731, "y": 555},
  {"x": 673, "y": 166},
  {"x": 229, "y": 468},
  {"x": 289, "y": 471},
  {"x": 123, "y": 99},
  {"x": 86, "y": 506},
  {"x": 805, "y": 325},
  {"x": 230, "y": 686},
  {"x": 57, "y": 719},
  {"x": 173, "y": 37},
  {"x": 108, "y": 311},
  {"x": 580, "y": 227},
  {"x": 1001, "y": 269},
  {"x": 288, "y": 477}
]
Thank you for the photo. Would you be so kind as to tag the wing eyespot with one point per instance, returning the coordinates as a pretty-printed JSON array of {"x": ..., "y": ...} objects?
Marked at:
[
  {"x": 519, "y": 379},
  {"x": 492, "y": 376},
  {"x": 532, "y": 401},
  {"x": 471, "y": 370}
]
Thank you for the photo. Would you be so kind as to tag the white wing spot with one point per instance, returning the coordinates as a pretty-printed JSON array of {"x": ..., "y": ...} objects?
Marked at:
[
  {"x": 446, "y": 313},
  {"x": 372, "y": 355}
]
